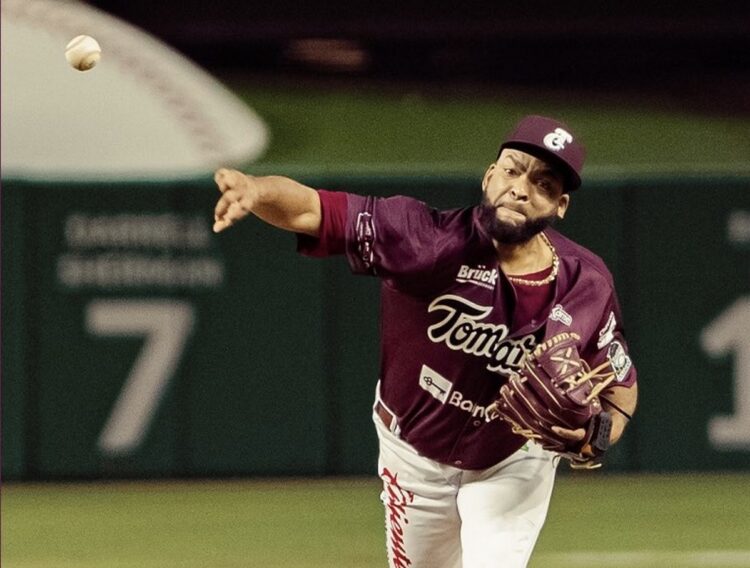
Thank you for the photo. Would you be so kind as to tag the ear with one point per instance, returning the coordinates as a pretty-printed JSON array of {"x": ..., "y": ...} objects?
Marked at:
[
  {"x": 488, "y": 176},
  {"x": 562, "y": 205}
]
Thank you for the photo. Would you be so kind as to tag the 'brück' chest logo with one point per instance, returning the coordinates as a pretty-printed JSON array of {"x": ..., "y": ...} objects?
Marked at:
[
  {"x": 462, "y": 330},
  {"x": 479, "y": 276}
]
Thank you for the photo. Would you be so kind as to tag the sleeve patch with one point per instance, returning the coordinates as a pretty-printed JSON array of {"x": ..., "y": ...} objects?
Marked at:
[
  {"x": 619, "y": 360},
  {"x": 365, "y": 238},
  {"x": 607, "y": 334}
]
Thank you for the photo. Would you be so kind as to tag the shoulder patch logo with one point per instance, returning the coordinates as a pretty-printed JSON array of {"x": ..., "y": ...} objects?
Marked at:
[
  {"x": 558, "y": 313},
  {"x": 607, "y": 334},
  {"x": 619, "y": 360},
  {"x": 365, "y": 238},
  {"x": 558, "y": 139}
]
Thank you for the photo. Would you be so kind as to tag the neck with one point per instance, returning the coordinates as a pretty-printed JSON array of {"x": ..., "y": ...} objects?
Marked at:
[{"x": 524, "y": 258}]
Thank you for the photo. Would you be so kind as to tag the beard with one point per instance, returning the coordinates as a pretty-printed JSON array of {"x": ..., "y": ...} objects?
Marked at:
[{"x": 508, "y": 233}]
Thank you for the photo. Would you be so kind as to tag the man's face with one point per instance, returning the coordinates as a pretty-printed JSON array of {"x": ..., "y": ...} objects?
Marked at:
[{"x": 522, "y": 196}]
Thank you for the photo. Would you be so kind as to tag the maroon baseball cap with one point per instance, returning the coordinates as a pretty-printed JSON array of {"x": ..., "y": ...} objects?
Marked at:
[{"x": 552, "y": 141}]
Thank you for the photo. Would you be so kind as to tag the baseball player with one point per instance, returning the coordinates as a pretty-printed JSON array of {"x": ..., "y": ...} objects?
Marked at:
[{"x": 466, "y": 296}]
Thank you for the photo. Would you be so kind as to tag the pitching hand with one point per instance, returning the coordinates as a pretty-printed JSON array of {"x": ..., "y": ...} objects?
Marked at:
[
  {"x": 576, "y": 435},
  {"x": 573, "y": 435},
  {"x": 239, "y": 195}
]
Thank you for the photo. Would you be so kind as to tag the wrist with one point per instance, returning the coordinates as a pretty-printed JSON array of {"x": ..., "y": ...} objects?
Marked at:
[{"x": 619, "y": 422}]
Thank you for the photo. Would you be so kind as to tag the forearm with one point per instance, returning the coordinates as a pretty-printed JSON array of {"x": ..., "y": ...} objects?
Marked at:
[
  {"x": 277, "y": 200},
  {"x": 287, "y": 204},
  {"x": 618, "y": 400}
]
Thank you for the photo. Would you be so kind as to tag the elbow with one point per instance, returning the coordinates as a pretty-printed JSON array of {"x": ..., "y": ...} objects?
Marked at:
[
  {"x": 308, "y": 224},
  {"x": 310, "y": 220}
]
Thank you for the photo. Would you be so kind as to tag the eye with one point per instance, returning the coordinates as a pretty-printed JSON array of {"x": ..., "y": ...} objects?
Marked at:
[
  {"x": 547, "y": 185},
  {"x": 510, "y": 171}
]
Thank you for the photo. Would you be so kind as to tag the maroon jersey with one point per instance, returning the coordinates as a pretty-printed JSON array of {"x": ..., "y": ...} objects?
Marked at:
[{"x": 452, "y": 328}]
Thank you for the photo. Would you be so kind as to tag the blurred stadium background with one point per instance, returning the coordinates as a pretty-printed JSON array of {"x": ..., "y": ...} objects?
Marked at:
[{"x": 175, "y": 398}]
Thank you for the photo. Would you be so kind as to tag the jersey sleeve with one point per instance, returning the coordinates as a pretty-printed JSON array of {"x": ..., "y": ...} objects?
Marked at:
[
  {"x": 396, "y": 238},
  {"x": 331, "y": 241},
  {"x": 609, "y": 344}
]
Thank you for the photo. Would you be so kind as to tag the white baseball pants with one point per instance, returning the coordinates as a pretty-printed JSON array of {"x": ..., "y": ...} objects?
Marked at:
[{"x": 438, "y": 516}]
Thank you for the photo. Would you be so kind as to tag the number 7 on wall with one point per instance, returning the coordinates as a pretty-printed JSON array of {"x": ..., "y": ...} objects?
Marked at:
[{"x": 166, "y": 324}]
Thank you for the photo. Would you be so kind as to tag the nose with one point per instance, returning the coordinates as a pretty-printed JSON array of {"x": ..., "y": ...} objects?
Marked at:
[{"x": 520, "y": 188}]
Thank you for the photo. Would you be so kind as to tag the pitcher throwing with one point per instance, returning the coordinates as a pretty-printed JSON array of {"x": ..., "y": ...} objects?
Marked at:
[{"x": 501, "y": 344}]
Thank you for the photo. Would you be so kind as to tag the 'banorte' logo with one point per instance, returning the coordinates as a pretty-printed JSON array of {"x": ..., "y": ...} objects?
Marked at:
[
  {"x": 442, "y": 389},
  {"x": 558, "y": 139}
]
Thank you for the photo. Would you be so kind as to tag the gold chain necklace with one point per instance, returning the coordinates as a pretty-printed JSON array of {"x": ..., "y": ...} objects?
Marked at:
[{"x": 550, "y": 277}]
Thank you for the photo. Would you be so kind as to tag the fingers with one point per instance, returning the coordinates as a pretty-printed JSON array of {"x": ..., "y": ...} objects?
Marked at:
[
  {"x": 225, "y": 178},
  {"x": 228, "y": 211},
  {"x": 220, "y": 213},
  {"x": 235, "y": 202},
  {"x": 572, "y": 435},
  {"x": 222, "y": 206},
  {"x": 222, "y": 224}
]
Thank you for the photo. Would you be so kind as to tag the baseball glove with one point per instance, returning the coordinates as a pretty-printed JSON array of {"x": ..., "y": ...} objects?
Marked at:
[{"x": 556, "y": 388}]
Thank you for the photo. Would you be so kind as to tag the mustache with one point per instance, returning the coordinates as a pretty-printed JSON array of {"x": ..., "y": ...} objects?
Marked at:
[
  {"x": 487, "y": 204},
  {"x": 509, "y": 233},
  {"x": 491, "y": 208}
]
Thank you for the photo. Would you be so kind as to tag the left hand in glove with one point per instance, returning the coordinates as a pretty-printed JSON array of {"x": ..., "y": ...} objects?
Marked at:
[{"x": 554, "y": 400}]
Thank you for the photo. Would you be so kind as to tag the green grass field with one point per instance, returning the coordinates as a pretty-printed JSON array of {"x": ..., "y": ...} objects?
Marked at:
[
  {"x": 595, "y": 520},
  {"x": 360, "y": 127}
]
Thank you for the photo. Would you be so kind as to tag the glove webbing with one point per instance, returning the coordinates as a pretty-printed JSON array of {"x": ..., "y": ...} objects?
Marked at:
[{"x": 595, "y": 375}]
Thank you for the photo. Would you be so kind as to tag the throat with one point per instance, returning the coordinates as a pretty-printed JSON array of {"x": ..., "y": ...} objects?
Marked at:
[{"x": 528, "y": 258}]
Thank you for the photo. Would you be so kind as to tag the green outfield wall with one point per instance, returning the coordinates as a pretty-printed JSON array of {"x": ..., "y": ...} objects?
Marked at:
[{"x": 136, "y": 343}]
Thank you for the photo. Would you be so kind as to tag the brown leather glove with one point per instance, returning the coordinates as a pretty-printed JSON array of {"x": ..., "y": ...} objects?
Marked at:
[{"x": 556, "y": 388}]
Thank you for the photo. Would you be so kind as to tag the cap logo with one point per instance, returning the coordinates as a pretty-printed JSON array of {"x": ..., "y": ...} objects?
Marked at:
[{"x": 558, "y": 139}]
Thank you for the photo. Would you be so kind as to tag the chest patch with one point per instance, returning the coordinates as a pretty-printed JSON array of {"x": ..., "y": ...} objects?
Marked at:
[{"x": 480, "y": 276}]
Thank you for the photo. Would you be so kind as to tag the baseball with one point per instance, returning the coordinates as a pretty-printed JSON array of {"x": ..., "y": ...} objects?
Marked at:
[{"x": 83, "y": 52}]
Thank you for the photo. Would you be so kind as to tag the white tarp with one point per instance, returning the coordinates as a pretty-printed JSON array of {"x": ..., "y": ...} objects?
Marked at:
[{"x": 144, "y": 111}]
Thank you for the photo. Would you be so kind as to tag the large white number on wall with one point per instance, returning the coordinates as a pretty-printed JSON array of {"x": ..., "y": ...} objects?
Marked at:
[
  {"x": 166, "y": 325},
  {"x": 730, "y": 333}
]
